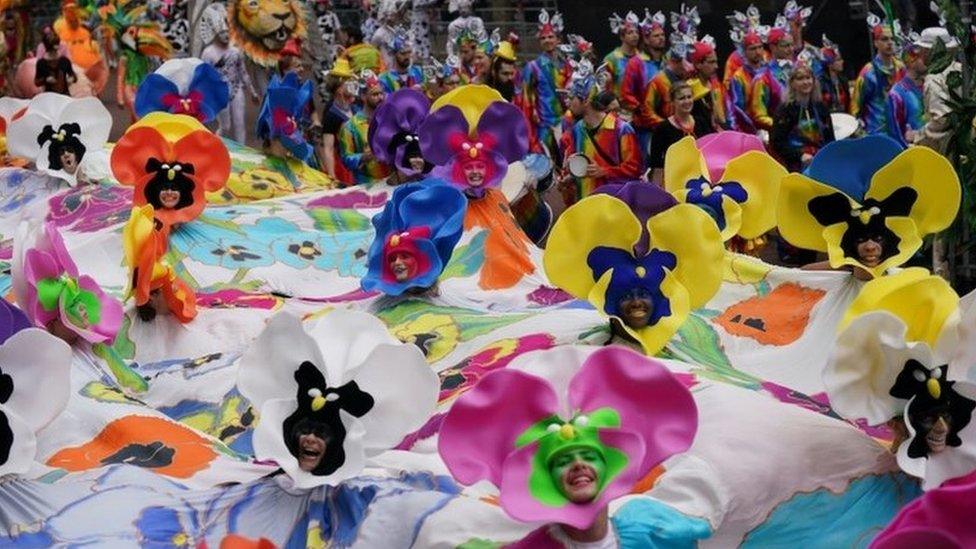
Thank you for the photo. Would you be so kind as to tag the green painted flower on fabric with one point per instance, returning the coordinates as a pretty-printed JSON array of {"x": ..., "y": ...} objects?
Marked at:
[{"x": 82, "y": 307}]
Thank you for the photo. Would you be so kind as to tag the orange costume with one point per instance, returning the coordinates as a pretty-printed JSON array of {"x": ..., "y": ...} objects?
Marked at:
[{"x": 82, "y": 49}]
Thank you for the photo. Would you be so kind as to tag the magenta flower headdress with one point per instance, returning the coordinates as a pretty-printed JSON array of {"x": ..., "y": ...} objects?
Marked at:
[
  {"x": 50, "y": 290},
  {"x": 627, "y": 408}
]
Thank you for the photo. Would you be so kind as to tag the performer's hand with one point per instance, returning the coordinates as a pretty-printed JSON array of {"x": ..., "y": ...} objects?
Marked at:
[
  {"x": 595, "y": 171},
  {"x": 805, "y": 158}
]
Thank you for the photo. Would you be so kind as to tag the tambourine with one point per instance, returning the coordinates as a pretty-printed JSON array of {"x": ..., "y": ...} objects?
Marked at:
[
  {"x": 845, "y": 125},
  {"x": 577, "y": 164}
]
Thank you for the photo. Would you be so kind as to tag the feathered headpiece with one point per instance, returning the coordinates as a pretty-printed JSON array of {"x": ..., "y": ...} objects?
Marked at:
[
  {"x": 795, "y": 13},
  {"x": 550, "y": 25},
  {"x": 619, "y": 24},
  {"x": 686, "y": 21},
  {"x": 878, "y": 26},
  {"x": 400, "y": 40},
  {"x": 131, "y": 27},
  {"x": 779, "y": 31},
  {"x": 746, "y": 28},
  {"x": 830, "y": 51},
  {"x": 657, "y": 20},
  {"x": 577, "y": 47}
]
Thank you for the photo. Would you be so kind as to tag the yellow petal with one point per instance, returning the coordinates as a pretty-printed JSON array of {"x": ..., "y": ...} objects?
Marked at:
[
  {"x": 908, "y": 244},
  {"x": 693, "y": 237},
  {"x": 472, "y": 100},
  {"x": 136, "y": 233},
  {"x": 172, "y": 127},
  {"x": 654, "y": 338},
  {"x": 932, "y": 177},
  {"x": 682, "y": 163},
  {"x": 760, "y": 175},
  {"x": 796, "y": 224},
  {"x": 733, "y": 218}
]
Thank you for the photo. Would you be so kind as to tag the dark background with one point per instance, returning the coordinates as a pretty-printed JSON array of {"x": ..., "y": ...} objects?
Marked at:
[{"x": 831, "y": 17}]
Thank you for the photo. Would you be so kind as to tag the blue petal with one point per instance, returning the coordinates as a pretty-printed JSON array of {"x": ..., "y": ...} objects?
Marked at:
[
  {"x": 149, "y": 96},
  {"x": 848, "y": 165}
]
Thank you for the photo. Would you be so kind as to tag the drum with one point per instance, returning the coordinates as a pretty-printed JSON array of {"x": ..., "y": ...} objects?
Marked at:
[
  {"x": 523, "y": 186},
  {"x": 845, "y": 125},
  {"x": 513, "y": 184},
  {"x": 577, "y": 164}
]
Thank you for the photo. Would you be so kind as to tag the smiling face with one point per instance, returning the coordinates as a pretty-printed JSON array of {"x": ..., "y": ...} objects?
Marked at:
[
  {"x": 936, "y": 428},
  {"x": 870, "y": 250},
  {"x": 311, "y": 438},
  {"x": 403, "y": 266},
  {"x": 683, "y": 101},
  {"x": 577, "y": 473},
  {"x": 548, "y": 42},
  {"x": 475, "y": 172},
  {"x": 169, "y": 198},
  {"x": 635, "y": 311},
  {"x": 802, "y": 81}
]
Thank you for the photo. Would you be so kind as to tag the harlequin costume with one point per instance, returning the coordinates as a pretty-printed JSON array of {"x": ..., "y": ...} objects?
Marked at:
[
  {"x": 897, "y": 361},
  {"x": 656, "y": 104},
  {"x": 165, "y": 154},
  {"x": 353, "y": 141},
  {"x": 334, "y": 374},
  {"x": 617, "y": 60},
  {"x": 869, "y": 100},
  {"x": 528, "y": 419},
  {"x": 745, "y": 28},
  {"x": 738, "y": 76},
  {"x": 640, "y": 70},
  {"x": 712, "y": 106},
  {"x": 612, "y": 145},
  {"x": 905, "y": 105},
  {"x": 769, "y": 87},
  {"x": 393, "y": 78},
  {"x": 602, "y": 249},
  {"x": 542, "y": 78},
  {"x": 868, "y": 188},
  {"x": 422, "y": 221}
]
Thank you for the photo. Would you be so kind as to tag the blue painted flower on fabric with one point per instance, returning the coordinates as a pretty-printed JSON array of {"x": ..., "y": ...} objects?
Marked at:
[
  {"x": 631, "y": 275},
  {"x": 165, "y": 528},
  {"x": 702, "y": 194}
]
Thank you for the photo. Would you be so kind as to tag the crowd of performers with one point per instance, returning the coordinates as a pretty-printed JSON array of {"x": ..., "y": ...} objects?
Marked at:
[{"x": 732, "y": 160}]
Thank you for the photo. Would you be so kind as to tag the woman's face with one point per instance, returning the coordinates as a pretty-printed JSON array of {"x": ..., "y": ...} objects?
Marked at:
[
  {"x": 475, "y": 172},
  {"x": 169, "y": 198},
  {"x": 803, "y": 82},
  {"x": 69, "y": 161},
  {"x": 869, "y": 250},
  {"x": 482, "y": 62},
  {"x": 683, "y": 102}
]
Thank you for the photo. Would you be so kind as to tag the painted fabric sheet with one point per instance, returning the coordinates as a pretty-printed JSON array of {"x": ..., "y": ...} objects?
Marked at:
[{"x": 155, "y": 445}]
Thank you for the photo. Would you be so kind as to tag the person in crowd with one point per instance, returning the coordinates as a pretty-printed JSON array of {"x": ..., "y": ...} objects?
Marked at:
[
  {"x": 541, "y": 80},
  {"x": 54, "y": 72},
  {"x": 442, "y": 77},
  {"x": 655, "y": 107},
  {"x": 361, "y": 56},
  {"x": 343, "y": 88},
  {"x": 739, "y": 83},
  {"x": 833, "y": 83},
  {"x": 796, "y": 17},
  {"x": 710, "y": 110},
  {"x": 907, "y": 113},
  {"x": 742, "y": 25},
  {"x": 641, "y": 69},
  {"x": 503, "y": 73},
  {"x": 681, "y": 123},
  {"x": 607, "y": 143},
  {"x": 83, "y": 51},
  {"x": 353, "y": 136},
  {"x": 869, "y": 102},
  {"x": 803, "y": 122},
  {"x": 769, "y": 87},
  {"x": 628, "y": 30},
  {"x": 403, "y": 73},
  {"x": 229, "y": 61}
]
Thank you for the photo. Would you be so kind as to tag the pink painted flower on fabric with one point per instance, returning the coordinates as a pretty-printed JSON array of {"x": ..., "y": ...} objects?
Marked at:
[
  {"x": 89, "y": 208},
  {"x": 625, "y": 407},
  {"x": 49, "y": 288}
]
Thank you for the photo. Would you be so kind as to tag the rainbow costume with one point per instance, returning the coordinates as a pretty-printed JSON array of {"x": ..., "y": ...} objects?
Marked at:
[
  {"x": 768, "y": 91},
  {"x": 906, "y": 108},
  {"x": 656, "y": 105},
  {"x": 541, "y": 79},
  {"x": 393, "y": 79},
  {"x": 869, "y": 102},
  {"x": 352, "y": 144},
  {"x": 612, "y": 145}
]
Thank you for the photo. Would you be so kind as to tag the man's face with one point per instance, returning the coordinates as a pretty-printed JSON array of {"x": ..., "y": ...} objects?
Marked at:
[
  {"x": 169, "y": 198},
  {"x": 837, "y": 65},
  {"x": 548, "y": 42},
  {"x": 576, "y": 106},
  {"x": 70, "y": 13},
  {"x": 656, "y": 39},
  {"x": 69, "y": 162},
  {"x": 708, "y": 66},
  {"x": 466, "y": 52},
  {"x": 416, "y": 163},
  {"x": 936, "y": 429},
  {"x": 630, "y": 36},
  {"x": 311, "y": 450},
  {"x": 577, "y": 473},
  {"x": 374, "y": 96},
  {"x": 403, "y": 266},
  {"x": 475, "y": 172},
  {"x": 869, "y": 250},
  {"x": 754, "y": 53},
  {"x": 783, "y": 49},
  {"x": 482, "y": 63},
  {"x": 506, "y": 73},
  {"x": 885, "y": 44},
  {"x": 403, "y": 57},
  {"x": 636, "y": 311},
  {"x": 917, "y": 64}
]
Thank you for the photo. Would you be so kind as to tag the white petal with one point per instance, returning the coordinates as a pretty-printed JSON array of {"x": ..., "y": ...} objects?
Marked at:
[
  {"x": 23, "y": 447},
  {"x": 267, "y": 368},
  {"x": 24, "y": 239},
  {"x": 404, "y": 390},
  {"x": 179, "y": 72},
  {"x": 345, "y": 339},
  {"x": 869, "y": 355},
  {"x": 40, "y": 365},
  {"x": 9, "y": 106},
  {"x": 22, "y": 137},
  {"x": 95, "y": 121}
]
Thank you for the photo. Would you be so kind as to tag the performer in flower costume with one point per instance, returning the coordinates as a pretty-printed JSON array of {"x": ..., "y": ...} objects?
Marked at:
[
  {"x": 483, "y": 134},
  {"x": 649, "y": 281},
  {"x": 541, "y": 80},
  {"x": 560, "y": 449},
  {"x": 731, "y": 177},
  {"x": 284, "y": 111},
  {"x": 868, "y": 203},
  {"x": 327, "y": 397},
  {"x": 55, "y": 297},
  {"x": 137, "y": 40},
  {"x": 62, "y": 136},
  {"x": 415, "y": 236},
  {"x": 898, "y": 360},
  {"x": 172, "y": 160},
  {"x": 394, "y": 135},
  {"x": 869, "y": 100},
  {"x": 183, "y": 86},
  {"x": 35, "y": 383}
]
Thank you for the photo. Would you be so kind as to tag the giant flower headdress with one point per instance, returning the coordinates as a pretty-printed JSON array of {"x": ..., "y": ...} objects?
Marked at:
[
  {"x": 625, "y": 407},
  {"x": 394, "y": 129},
  {"x": 183, "y": 86},
  {"x": 285, "y": 106},
  {"x": 55, "y": 297},
  {"x": 344, "y": 370},
  {"x": 58, "y": 133},
  {"x": 167, "y": 154},
  {"x": 896, "y": 356},
  {"x": 730, "y": 177},
  {"x": 423, "y": 221},
  {"x": 868, "y": 188},
  {"x": 35, "y": 368},
  {"x": 598, "y": 250},
  {"x": 473, "y": 126}
]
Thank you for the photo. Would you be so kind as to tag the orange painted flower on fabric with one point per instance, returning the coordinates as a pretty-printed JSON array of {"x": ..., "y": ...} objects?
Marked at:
[
  {"x": 778, "y": 318},
  {"x": 172, "y": 161},
  {"x": 163, "y": 446},
  {"x": 234, "y": 541},
  {"x": 506, "y": 248}
]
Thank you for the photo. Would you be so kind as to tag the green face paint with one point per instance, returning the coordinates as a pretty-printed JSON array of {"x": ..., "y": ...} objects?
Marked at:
[{"x": 578, "y": 472}]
